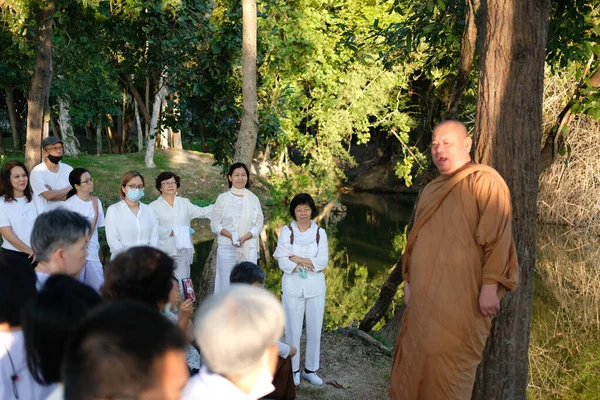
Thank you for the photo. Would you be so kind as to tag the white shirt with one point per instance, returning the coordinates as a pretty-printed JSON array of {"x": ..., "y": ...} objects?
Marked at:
[
  {"x": 305, "y": 246},
  {"x": 41, "y": 176},
  {"x": 86, "y": 208},
  {"x": 20, "y": 215},
  {"x": 228, "y": 213},
  {"x": 208, "y": 386},
  {"x": 179, "y": 214},
  {"x": 124, "y": 229},
  {"x": 42, "y": 277},
  {"x": 25, "y": 385}
]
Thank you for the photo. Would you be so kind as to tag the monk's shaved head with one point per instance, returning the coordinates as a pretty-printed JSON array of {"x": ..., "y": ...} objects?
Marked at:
[{"x": 450, "y": 146}]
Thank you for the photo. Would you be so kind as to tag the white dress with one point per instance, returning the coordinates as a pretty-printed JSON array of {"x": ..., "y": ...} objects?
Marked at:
[
  {"x": 41, "y": 176},
  {"x": 20, "y": 215},
  {"x": 124, "y": 229},
  {"x": 92, "y": 273},
  {"x": 179, "y": 214},
  {"x": 25, "y": 387},
  {"x": 303, "y": 298},
  {"x": 227, "y": 214}
]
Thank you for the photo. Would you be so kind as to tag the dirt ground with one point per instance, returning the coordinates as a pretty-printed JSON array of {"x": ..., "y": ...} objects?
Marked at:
[{"x": 363, "y": 370}]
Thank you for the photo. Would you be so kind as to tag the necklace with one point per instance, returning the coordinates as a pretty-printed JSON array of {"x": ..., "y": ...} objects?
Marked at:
[{"x": 14, "y": 377}]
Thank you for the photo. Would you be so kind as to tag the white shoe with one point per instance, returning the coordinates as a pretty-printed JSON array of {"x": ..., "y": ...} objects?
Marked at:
[
  {"x": 313, "y": 378},
  {"x": 297, "y": 378}
]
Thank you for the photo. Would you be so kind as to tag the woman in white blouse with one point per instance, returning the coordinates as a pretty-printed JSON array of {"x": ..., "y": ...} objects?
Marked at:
[
  {"x": 130, "y": 222},
  {"x": 174, "y": 216},
  {"x": 80, "y": 200},
  {"x": 302, "y": 252},
  {"x": 18, "y": 210},
  {"x": 237, "y": 219}
]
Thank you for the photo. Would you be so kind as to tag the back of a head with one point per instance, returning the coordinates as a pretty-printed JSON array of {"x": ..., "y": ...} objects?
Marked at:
[
  {"x": 235, "y": 328},
  {"x": 247, "y": 272},
  {"x": 49, "y": 320},
  {"x": 114, "y": 352},
  {"x": 17, "y": 286},
  {"x": 141, "y": 274},
  {"x": 56, "y": 229}
]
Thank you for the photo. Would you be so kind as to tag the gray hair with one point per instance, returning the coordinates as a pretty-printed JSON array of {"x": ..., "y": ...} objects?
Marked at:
[
  {"x": 57, "y": 229},
  {"x": 235, "y": 328}
]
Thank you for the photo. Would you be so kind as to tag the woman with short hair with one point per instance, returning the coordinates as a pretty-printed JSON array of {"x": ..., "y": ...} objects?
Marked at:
[
  {"x": 130, "y": 222},
  {"x": 237, "y": 219},
  {"x": 18, "y": 210},
  {"x": 302, "y": 252},
  {"x": 174, "y": 219},
  {"x": 81, "y": 201}
]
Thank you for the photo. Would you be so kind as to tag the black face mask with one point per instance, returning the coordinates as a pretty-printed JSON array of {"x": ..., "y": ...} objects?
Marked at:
[{"x": 54, "y": 159}]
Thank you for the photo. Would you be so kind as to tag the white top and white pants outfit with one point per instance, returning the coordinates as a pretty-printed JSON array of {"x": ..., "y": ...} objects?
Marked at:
[
  {"x": 227, "y": 214},
  {"x": 124, "y": 229},
  {"x": 92, "y": 273},
  {"x": 180, "y": 214},
  {"x": 20, "y": 215},
  {"x": 24, "y": 386},
  {"x": 41, "y": 176},
  {"x": 303, "y": 297}
]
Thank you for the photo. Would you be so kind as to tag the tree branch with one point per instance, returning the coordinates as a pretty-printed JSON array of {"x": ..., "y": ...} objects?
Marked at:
[{"x": 138, "y": 99}]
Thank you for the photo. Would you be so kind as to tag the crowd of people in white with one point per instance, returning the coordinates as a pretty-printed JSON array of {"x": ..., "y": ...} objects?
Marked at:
[{"x": 73, "y": 328}]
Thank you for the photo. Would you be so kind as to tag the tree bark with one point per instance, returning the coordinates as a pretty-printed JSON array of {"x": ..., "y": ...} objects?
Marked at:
[
  {"x": 12, "y": 116},
  {"x": 508, "y": 135},
  {"x": 163, "y": 142},
  {"x": 70, "y": 142},
  {"x": 99, "y": 138},
  {"x": 138, "y": 127},
  {"x": 467, "y": 55},
  {"x": 386, "y": 295},
  {"x": 151, "y": 143},
  {"x": 39, "y": 89},
  {"x": 138, "y": 99},
  {"x": 246, "y": 140}
]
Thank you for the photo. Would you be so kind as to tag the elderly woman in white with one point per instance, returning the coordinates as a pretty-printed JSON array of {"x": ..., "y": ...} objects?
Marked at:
[
  {"x": 237, "y": 219},
  {"x": 302, "y": 252},
  {"x": 130, "y": 222},
  {"x": 239, "y": 354},
  {"x": 174, "y": 216}
]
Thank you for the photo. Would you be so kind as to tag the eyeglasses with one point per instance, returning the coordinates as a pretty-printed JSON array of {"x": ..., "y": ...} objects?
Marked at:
[
  {"x": 301, "y": 209},
  {"x": 88, "y": 181},
  {"x": 49, "y": 149},
  {"x": 169, "y": 183},
  {"x": 133, "y": 187}
]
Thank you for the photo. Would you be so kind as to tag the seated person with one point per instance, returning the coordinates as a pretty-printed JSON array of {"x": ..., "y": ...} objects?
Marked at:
[
  {"x": 17, "y": 286},
  {"x": 249, "y": 273},
  {"x": 49, "y": 320},
  {"x": 125, "y": 350},
  {"x": 59, "y": 241},
  {"x": 237, "y": 331}
]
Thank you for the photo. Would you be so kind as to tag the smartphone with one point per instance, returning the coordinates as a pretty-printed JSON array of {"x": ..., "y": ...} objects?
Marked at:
[{"x": 188, "y": 289}]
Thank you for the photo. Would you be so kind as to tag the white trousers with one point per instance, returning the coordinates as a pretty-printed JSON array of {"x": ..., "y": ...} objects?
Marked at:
[
  {"x": 296, "y": 308},
  {"x": 226, "y": 260},
  {"x": 182, "y": 271},
  {"x": 92, "y": 274}
]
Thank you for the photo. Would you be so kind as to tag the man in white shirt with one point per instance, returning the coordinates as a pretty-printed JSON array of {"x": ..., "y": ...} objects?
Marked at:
[{"x": 50, "y": 178}]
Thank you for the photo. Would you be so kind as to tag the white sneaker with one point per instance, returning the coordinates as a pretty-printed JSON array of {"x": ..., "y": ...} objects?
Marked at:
[
  {"x": 297, "y": 378},
  {"x": 313, "y": 378}
]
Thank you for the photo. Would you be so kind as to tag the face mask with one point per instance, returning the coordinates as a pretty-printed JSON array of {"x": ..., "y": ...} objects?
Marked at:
[
  {"x": 167, "y": 308},
  {"x": 54, "y": 159},
  {"x": 135, "y": 194}
]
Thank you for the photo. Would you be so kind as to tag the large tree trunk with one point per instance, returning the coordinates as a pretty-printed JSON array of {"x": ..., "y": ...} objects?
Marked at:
[
  {"x": 138, "y": 127},
  {"x": 39, "y": 89},
  {"x": 70, "y": 142},
  {"x": 151, "y": 143},
  {"x": 12, "y": 116},
  {"x": 508, "y": 137},
  {"x": 99, "y": 138},
  {"x": 467, "y": 55},
  {"x": 246, "y": 140}
]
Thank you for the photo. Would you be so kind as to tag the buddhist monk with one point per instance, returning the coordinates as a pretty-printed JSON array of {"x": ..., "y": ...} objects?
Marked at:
[{"x": 459, "y": 260}]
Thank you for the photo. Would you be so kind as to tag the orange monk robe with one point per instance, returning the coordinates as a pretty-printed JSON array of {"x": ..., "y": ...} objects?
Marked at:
[{"x": 461, "y": 239}]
